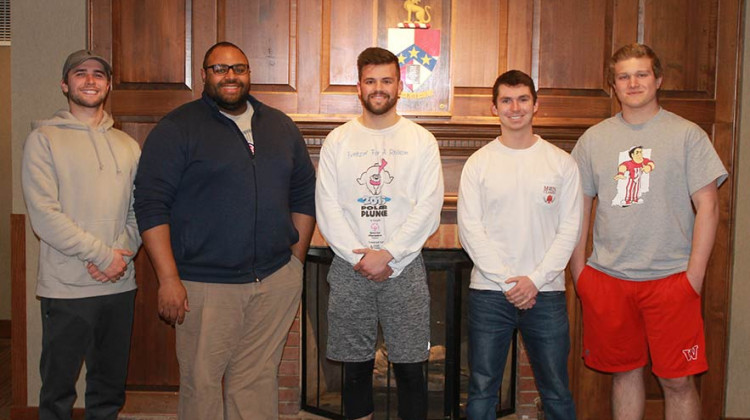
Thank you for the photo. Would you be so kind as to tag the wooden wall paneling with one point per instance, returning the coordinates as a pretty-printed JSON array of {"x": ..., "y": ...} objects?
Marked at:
[
  {"x": 624, "y": 24},
  {"x": 725, "y": 138},
  {"x": 150, "y": 334},
  {"x": 594, "y": 108},
  {"x": 728, "y": 74},
  {"x": 520, "y": 35},
  {"x": 717, "y": 285},
  {"x": 150, "y": 43},
  {"x": 626, "y": 18},
  {"x": 479, "y": 23},
  {"x": 149, "y": 103},
  {"x": 100, "y": 27},
  {"x": 309, "y": 42},
  {"x": 152, "y": 54},
  {"x": 204, "y": 20},
  {"x": 683, "y": 33},
  {"x": 482, "y": 23},
  {"x": 347, "y": 30},
  {"x": 574, "y": 39},
  {"x": 351, "y": 30},
  {"x": 471, "y": 103},
  {"x": 699, "y": 111},
  {"x": 19, "y": 397},
  {"x": 137, "y": 130},
  {"x": 99, "y": 32},
  {"x": 489, "y": 38},
  {"x": 266, "y": 30}
]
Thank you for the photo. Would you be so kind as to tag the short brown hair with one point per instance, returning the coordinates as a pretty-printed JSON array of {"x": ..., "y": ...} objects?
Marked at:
[
  {"x": 513, "y": 78},
  {"x": 376, "y": 55},
  {"x": 634, "y": 50}
]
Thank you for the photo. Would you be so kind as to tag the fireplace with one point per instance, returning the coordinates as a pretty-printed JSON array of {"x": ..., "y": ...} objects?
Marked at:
[{"x": 448, "y": 370}]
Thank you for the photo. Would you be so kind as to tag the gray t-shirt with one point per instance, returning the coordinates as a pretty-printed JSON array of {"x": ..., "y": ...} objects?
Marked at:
[
  {"x": 644, "y": 176},
  {"x": 244, "y": 122}
]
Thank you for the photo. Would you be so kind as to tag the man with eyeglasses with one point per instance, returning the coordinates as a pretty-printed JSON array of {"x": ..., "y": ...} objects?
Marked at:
[{"x": 225, "y": 203}]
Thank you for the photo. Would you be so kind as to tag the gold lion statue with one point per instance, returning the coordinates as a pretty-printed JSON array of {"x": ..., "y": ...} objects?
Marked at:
[{"x": 421, "y": 13}]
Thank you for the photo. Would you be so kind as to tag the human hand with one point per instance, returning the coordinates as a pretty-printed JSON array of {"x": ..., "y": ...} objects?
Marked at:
[
  {"x": 117, "y": 267},
  {"x": 173, "y": 301},
  {"x": 523, "y": 294},
  {"x": 97, "y": 274},
  {"x": 696, "y": 280},
  {"x": 374, "y": 264}
]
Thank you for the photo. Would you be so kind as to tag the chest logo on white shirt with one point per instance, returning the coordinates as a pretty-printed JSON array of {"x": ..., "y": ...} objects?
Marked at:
[
  {"x": 633, "y": 176},
  {"x": 549, "y": 194},
  {"x": 373, "y": 179}
]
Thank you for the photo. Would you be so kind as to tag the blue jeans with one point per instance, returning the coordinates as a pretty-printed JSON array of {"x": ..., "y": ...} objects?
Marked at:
[{"x": 544, "y": 329}]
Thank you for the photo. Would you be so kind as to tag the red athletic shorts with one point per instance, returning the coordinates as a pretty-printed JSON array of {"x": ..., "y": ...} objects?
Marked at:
[{"x": 623, "y": 320}]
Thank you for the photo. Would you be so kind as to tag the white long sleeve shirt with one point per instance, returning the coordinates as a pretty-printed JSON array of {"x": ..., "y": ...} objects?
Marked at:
[
  {"x": 379, "y": 189},
  {"x": 519, "y": 214}
]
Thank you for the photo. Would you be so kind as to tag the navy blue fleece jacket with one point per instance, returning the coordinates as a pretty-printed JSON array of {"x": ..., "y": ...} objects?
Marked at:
[{"x": 229, "y": 211}]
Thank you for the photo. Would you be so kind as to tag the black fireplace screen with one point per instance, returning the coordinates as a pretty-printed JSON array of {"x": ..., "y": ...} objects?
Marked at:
[{"x": 448, "y": 370}]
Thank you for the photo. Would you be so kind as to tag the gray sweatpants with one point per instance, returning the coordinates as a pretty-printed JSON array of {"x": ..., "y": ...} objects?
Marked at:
[{"x": 356, "y": 305}]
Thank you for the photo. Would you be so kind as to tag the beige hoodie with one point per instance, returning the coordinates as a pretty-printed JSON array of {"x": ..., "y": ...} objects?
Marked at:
[{"x": 78, "y": 186}]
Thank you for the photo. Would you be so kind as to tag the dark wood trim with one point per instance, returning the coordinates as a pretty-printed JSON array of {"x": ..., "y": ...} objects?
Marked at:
[
  {"x": 32, "y": 413},
  {"x": 719, "y": 274},
  {"x": 18, "y": 309},
  {"x": 5, "y": 327}
]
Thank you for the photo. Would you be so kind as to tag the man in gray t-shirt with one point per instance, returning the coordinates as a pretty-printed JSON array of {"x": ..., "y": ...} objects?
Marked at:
[{"x": 640, "y": 288}]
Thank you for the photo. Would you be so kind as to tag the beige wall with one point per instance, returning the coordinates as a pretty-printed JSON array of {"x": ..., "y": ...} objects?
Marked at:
[
  {"x": 5, "y": 183},
  {"x": 44, "y": 33},
  {"x": 738, "y": 377}
]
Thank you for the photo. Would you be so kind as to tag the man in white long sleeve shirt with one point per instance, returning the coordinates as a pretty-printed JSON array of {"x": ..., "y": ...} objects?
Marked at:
[
  {"x": 519, "y": 215},
  {"x": 378, "y": 198}
]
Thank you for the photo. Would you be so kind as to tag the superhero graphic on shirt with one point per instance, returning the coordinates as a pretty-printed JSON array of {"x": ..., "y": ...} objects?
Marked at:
[{"x": 633, "y": 176}]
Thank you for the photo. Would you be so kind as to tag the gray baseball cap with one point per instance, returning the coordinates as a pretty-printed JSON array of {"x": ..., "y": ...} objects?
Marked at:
[{"x": 79, "y": 57}]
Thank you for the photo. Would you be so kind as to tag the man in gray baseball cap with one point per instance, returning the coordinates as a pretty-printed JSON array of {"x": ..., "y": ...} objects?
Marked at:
[
  {"x": 78, "y": 57},
  {"x": 77, "y": 176}
]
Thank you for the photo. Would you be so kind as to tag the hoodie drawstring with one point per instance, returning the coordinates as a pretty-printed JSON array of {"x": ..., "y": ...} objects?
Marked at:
[
  {"x": 96, "y": 149},
  {"x": 108, "y": 141},
  {"x": 112, "y": 152}
]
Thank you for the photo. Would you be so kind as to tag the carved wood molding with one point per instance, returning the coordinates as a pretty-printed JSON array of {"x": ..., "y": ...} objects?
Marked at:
[{"x": 454, "y": 139}]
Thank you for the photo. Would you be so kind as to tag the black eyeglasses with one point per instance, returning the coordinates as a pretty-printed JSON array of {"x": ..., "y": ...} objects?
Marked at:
[{"x": 238, "y": 69}]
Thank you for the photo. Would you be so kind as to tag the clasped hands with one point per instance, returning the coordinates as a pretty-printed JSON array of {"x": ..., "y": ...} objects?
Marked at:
[
  {"x": 523, "y": 295},
  {"x": 374, "y": 264},
  {"x": 114, "y": 271}
]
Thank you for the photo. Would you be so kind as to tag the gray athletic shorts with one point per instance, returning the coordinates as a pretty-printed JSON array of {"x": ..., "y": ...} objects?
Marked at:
[{"x": 356, "y": 305}]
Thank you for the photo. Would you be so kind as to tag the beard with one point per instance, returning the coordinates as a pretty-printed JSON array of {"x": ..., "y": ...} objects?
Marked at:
[
  {"x": 229, "y": 102},
  {"x": 87, "y": 102},
  {"x": 390, "y": 102}
]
